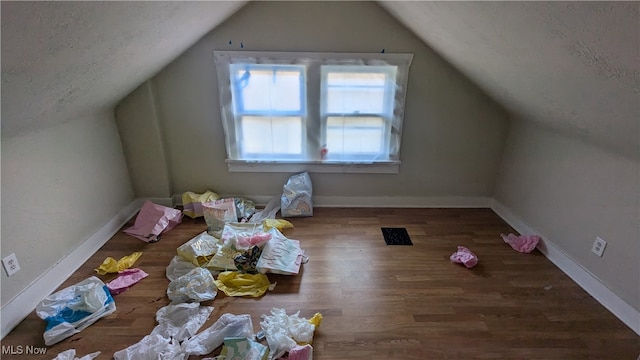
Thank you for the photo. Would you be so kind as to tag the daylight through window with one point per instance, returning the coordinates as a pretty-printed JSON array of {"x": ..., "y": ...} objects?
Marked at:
[{"x": 312, "y": 108}]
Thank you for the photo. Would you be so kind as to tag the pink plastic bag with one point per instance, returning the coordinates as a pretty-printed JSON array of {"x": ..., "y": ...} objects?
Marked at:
[
  {"x": 126, "y": 279},
  {"x": 153, "y": 220},
  {"x": 464, "y": 256},
  {"x": 523, "y": 243}
]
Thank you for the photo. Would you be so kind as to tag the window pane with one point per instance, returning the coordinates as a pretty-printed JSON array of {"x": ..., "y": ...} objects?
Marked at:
[
  {"x": 355, "y": 92},
  {"x": 263, "y": 135},
  {"x": 355, "y": 135},
  {"x": 271, "y": 89}
]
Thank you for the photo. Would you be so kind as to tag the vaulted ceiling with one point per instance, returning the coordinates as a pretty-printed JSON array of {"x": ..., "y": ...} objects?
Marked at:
[{"x": 571, "y": 66}]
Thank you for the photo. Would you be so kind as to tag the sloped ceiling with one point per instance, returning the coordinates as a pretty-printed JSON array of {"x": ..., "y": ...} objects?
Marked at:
[
  {"x": 64, "y": 60},
  {"x": 573, "y": 66}
]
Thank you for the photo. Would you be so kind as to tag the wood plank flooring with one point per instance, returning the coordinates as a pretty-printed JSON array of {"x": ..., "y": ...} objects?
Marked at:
[{"x": 379, "y": 301}]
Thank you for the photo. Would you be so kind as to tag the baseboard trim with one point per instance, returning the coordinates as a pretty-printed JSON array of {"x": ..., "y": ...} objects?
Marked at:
[
  {"x": 590, "y": 283},
  {"x": 18, "y": 308},
  {"x": 379, "y": 201}
]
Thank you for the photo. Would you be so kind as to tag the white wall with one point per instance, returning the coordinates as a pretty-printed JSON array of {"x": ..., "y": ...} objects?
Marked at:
[
  {"x": 453, "y": 134},
  {"x": 60, "y": 185},
  {"x": 143, "y": 143},
  {"x": 570, "y": 192}
]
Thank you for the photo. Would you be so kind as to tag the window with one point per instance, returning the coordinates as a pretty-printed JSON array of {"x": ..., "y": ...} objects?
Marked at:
[{"x": 326, "y": 111}]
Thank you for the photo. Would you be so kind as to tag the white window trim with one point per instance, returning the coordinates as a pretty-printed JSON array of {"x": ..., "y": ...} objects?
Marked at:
[
  {"x": 223, "y": 58},
  {"x": 390, "y": 167}
]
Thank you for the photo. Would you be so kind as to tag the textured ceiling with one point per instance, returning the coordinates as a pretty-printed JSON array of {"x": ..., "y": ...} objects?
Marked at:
[
  {"x": 573, "y": 66},
  {"x": 64, "y": 60}
]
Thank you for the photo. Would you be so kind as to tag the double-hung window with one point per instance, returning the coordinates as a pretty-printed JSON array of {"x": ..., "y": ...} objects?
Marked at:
[{"x": 312, "y": 111}]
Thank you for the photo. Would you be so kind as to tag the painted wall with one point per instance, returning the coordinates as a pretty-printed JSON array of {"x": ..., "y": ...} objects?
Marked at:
[
  {"x": 142, "y": 141},
  {"x": 570, "y": 192},
  {"x": 60, "y": 185},
  {"x": 453, "y": 133}
]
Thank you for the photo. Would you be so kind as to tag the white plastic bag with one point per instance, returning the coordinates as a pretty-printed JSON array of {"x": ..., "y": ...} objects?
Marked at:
[
  {"x": 74, "y": 308},
  {"x": 71, "y": 355},
  {"x": 296, "y": 196},
  {"x": 179, "y": 266},
  {"x": 196, "y": 285},
  {"x": 228, "y": 325},
  {"x": 152, "y": 347},
  {"x": 269, "y": 211},
  {"x": 181, "y": 321},
  {"x": 284, "y": 332}
]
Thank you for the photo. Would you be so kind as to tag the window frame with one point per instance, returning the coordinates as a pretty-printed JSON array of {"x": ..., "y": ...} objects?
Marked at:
[
  {"x": 240, "y": 111},
  {"x": 314, "y": 123},
  {"x": 386, "y": 113}
]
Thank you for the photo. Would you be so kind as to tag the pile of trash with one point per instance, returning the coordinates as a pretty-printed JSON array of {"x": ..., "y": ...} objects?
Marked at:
[{"x": 234, "y": 255}]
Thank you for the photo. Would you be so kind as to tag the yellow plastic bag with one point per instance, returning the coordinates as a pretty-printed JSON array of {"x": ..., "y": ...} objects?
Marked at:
[
  {"x": 110, "y": 265},
  {"x": 316, "y": 320},
  {"x": 234, "y": 283},
  {"x": 279, "y": 224},
  {"x": 192, "y": 202}
]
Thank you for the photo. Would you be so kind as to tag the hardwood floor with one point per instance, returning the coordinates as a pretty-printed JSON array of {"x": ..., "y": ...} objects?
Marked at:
[{"x": 379, "y": 301}]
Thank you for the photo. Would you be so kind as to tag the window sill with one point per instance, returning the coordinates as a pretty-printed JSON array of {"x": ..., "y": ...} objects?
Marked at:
[{"x": 389, "y": 167}]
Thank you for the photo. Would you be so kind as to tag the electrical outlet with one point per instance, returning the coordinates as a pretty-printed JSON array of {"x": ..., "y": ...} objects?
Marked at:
[
  {"x": 598, "y": 246},
  {"x": 11, "y": 265}
]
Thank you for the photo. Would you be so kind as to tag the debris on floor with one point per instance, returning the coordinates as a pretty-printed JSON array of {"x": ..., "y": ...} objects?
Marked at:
[
  {"x": 279, "y": 224},
  {"x": 523, "y": 243},
  {"x": 235, "y": 253},
  {"x": 234, "y": 283},
  {"x": 464, "y": 256},
  {"x": 284, "y": 332},
  {"x": 243, "y": 348},
  {"x": 199, "y": 249},
  {"x": 192, "y": 202},
  {"x": 152, "y": 347},
  {"x": 126, "y": 279},
  {"x": 71, "y": 355},
  {"x": 181, "y": 321},
  {"x": 228, "y": 325},
  {"x": 281, "y": 255},
  {"x": 196, "y": 285},
  {"x": 110, "y": 265},
  {"x": 74, "y": 308},
  {"x": 154, "y": 220},
  {"x": 176, "y": 323},
  {"x": 296, "y": 196}
]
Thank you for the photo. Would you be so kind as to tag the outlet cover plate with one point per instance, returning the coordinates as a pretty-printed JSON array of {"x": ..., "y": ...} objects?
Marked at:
[
  {"x": 598, "y": 246},
  {"x": 11, "y": 265}
]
